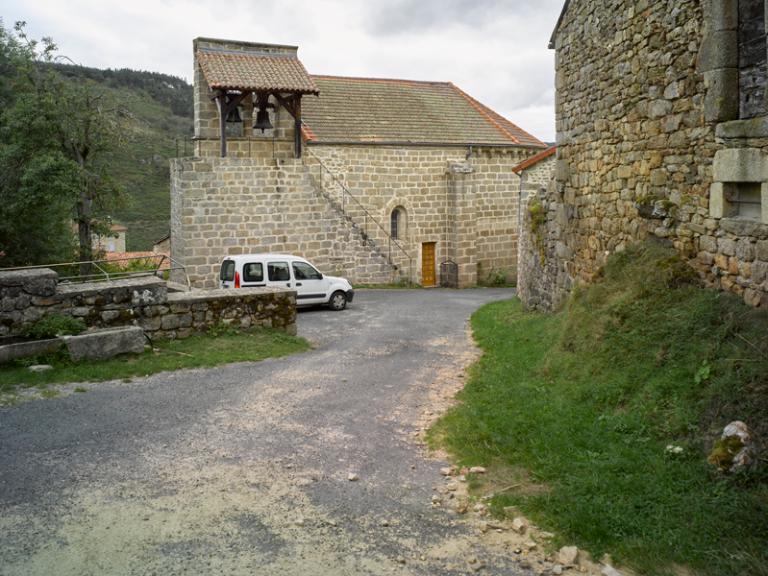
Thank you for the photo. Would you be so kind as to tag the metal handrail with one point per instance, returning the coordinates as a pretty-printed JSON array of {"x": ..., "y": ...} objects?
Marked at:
[
  {"x": 346, "y": 192},
  {"x": 104, "y": 275}
]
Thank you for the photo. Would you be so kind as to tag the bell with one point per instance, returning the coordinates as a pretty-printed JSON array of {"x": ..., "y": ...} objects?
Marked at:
[
  {"x": 234, "y": 115},
  {"x": 262, "y": 121}
]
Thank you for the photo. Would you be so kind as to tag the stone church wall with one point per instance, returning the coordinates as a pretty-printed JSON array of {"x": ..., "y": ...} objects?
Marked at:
[
  {"x": 466, "y": 203},
  {"x": 650, "y": 142}
]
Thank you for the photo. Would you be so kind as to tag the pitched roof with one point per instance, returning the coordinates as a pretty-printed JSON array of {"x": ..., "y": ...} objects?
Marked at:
[
  {"x": 253, "y": 70},
  {"x": 535, "y": 159},
  {"x": 377, "y": 110}
]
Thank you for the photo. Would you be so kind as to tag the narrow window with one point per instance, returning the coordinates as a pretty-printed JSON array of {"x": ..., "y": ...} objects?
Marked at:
[
  {"x": 397, "y": 222},
  {"x": 753, "y": 59}
]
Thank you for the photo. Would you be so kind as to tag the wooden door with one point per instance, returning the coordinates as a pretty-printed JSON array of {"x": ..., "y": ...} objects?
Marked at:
[{"x": 428, "y": 276}]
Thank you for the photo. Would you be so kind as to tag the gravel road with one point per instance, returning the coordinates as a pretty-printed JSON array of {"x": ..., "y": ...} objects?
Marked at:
[{"x": 244, "y": 469}]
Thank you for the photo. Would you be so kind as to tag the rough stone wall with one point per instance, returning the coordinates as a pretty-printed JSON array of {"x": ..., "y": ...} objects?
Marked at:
[
  {"x": 466, "y": 204},
  {"x": 228, "y": 206},
  {"x": 544, "y": 260},
  {"x": 28, "y": 296},
  {"x": 641, "y": 87}
]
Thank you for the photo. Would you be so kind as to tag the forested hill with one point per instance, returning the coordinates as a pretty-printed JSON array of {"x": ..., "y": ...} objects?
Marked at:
[{"x": 159, "y": 110}]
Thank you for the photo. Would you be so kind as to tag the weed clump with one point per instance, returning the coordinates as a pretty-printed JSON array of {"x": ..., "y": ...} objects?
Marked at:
[{"x": 54, "y": 325}]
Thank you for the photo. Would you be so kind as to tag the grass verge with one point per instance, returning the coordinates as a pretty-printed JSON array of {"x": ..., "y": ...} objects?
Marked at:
[
  {"x": 578, "y": 409},
  {"x": 198, "y": 351}
]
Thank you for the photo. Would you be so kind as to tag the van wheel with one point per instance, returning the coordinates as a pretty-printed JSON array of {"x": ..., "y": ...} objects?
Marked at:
[{"x": 338, "y": 301}]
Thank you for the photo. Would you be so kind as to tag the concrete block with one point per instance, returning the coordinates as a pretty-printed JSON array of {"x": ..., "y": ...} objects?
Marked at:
[
  {"x": 102, "y": 344},
  {"x": 751, "y": 128},
  {"x": 764, "y": 202},
  {"x": 37, "y": 282},
  {"x": 721, "y": 14},
  {"x": 10, "y": 352},
  {"x": 739, "y": 165},
  {"x": 562, "y": 171},
  {"x": 717, "y": 202},
  {"x": 719, "y": 49},
  {"x": 721, "y": 101}
]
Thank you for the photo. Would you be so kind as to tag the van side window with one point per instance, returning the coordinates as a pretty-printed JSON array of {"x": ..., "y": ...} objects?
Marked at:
[
  {"x": 227, "y": 273},
  {"x": 304, "y": 271},
  {"x": 278, "y": 272},
  {"x": 253, "y": 272}
]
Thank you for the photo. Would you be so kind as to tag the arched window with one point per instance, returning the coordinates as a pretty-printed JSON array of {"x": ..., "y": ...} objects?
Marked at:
[{"x": 397, "y": 223}]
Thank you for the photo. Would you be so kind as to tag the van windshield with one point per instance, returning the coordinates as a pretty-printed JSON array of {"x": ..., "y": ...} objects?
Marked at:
[{"x": 227, "y": 273}]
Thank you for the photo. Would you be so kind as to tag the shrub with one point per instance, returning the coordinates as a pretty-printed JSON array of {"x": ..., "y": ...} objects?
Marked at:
[{"x": 55, "y": 325}]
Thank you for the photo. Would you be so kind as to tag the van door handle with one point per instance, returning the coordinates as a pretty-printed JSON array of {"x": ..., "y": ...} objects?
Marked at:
[
  {"x": 298, "y": 283},
  {"x": 289, "y": 284}
]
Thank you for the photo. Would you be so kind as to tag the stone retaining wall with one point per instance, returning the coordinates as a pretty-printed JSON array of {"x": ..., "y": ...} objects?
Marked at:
[{"x": 27, "y": 296}]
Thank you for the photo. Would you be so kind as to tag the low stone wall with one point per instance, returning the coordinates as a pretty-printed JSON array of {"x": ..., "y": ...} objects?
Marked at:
[{"x": 27, "y": 296}]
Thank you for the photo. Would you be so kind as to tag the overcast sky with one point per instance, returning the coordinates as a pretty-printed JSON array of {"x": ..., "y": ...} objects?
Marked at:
[{"x": 496, "y": 50}]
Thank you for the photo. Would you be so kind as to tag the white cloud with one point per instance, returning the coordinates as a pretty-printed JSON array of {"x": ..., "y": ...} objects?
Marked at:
[{"x": 496, "y": 50}]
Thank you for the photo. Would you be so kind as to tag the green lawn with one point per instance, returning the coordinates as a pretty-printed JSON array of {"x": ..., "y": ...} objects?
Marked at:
[
  {"x": 576, "y": 411},
  {"x": 202, "y": 350}
]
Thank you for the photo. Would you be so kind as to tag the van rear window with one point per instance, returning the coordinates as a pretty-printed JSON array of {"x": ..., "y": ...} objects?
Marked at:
[
  {"x": 227, "y": 273},
  {"x": 253, "y": 272}
]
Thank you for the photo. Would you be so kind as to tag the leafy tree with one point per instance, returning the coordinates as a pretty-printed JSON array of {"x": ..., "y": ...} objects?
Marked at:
[{"x": 55, "y": 139}]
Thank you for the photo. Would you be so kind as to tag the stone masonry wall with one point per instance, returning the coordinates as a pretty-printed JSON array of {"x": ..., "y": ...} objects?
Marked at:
[
  {"x": 228, "y": 206},
  {"x": 466, "y": 204},
  {"x": 639, "y": 93},
  {"x": 27, "y": 296},
  {"x": 543, "y": 259}
]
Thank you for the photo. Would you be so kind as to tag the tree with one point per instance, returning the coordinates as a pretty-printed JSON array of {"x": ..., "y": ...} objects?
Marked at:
[{"x": 55, "y": 140}]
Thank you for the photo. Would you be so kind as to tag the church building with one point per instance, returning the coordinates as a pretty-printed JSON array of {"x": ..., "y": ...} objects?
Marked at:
[{"x": 378, "y": 180}]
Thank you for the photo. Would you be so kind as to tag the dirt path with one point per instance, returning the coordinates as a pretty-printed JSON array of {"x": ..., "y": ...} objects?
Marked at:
[{"x": 246, "y": 469}]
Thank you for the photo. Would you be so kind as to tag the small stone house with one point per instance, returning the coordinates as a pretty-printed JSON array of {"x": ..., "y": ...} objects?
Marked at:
[
  {"x": 377, "y": 179},
  {"x": 662, "y": 130}
]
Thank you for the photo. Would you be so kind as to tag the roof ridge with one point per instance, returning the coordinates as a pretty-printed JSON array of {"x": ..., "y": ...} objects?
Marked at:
[
  {"x": 489, "y": 113},
  {"x": 370, "y": 79}
]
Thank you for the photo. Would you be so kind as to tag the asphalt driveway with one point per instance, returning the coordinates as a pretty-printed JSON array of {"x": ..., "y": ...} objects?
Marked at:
[{"x": 310, "y": 464}]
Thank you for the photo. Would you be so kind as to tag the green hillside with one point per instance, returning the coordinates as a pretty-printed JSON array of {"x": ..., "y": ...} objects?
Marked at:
[{"x": 160, "y": 121}]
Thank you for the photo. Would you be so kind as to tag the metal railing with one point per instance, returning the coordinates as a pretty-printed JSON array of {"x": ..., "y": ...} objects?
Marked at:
[
  {"x": 345, "y": 199},
  {"x": 111, "y": 269}
]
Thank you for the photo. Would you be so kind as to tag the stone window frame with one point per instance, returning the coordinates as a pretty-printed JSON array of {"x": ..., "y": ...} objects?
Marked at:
[
  {"x": 397, "y": 222},
  {"x": 719, "y": 63},
  {"x": 733, "y": 166},
  {"x": 718, "y": 59}
]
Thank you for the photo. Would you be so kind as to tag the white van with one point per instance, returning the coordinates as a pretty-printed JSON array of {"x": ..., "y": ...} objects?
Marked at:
[{"x": 312, "y": 287}]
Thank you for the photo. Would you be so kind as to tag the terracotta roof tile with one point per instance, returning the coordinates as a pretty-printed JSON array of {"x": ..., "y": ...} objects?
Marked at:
[
  {"x": 404, "y": 111},
  {"x": 535, "y": 159},
  {"x": 255, "y": 71}
]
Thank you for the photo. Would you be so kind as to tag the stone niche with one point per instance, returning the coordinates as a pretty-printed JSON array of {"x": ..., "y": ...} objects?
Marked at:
[{"x": 740, "y": 186}]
